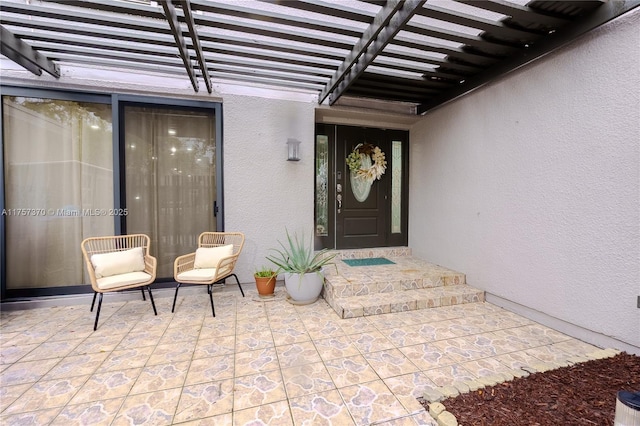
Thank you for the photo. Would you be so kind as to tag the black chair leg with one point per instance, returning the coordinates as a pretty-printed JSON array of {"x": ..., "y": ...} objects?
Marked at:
[
  {"x": 142, "y": 290},
  {"x": 210, "y": 291},
  {"x": 175, "y": 298},
  {"x": 151, "y": 297},
  {"x": 95, "y": 293},
  {"x": 238, "y": 281},
  {"x": 95, "y": 325}
]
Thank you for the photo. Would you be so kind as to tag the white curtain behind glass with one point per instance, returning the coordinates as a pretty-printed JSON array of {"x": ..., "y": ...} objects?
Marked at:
[
  {"x": 170, "y": 179},
  {"x": 58, "y": 161}
]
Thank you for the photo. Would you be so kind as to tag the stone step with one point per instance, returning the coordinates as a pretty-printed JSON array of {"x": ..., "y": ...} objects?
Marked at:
[
  {"x": 406, "y": 300},
  {"x": 408, "y": 283}
]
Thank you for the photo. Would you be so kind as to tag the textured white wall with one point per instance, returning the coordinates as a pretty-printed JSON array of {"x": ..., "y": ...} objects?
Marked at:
[
  {"x": 531, "y": 185},
  {"x": 264, "y": 193}
]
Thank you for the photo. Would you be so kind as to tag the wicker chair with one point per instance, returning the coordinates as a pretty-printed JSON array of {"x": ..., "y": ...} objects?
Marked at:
[
  {"x": 212, "y": 262},
  {"x": 117, "y": 263}
]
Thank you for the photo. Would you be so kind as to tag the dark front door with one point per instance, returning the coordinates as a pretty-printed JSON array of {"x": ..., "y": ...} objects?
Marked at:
[
  {"x": 361, "y": 215},
  {"x": 365, "y": 203}
]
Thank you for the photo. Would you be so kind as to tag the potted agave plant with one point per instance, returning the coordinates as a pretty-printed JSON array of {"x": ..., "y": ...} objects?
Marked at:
[
  {"x": 265, "y": 281},
  {"x": 301, "y": 267}
]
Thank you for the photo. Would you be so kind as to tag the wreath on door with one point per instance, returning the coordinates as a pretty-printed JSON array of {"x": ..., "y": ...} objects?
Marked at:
[{"x": 367, "y": 162}]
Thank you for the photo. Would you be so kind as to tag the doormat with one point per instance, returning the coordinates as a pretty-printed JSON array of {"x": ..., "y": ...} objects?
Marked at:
[{"x": 371, "y": 261}]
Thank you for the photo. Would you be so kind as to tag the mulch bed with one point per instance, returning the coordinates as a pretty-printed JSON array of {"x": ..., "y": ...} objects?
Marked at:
[{"x": 581, "y": 394}]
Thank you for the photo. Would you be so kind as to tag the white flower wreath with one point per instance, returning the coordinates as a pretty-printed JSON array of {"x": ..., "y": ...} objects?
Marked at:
[{"x": 356, "y": 160}]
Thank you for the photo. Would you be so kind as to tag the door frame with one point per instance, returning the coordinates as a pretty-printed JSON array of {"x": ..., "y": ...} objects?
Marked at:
[{"x": 328, "y": 239}]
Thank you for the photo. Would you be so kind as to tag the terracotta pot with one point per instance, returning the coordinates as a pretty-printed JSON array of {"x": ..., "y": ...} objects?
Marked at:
[{"x": 265, "y": 285}]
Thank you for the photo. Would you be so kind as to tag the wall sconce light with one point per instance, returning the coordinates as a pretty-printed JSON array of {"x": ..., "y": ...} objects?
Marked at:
[{"x": 293, "y": 150}]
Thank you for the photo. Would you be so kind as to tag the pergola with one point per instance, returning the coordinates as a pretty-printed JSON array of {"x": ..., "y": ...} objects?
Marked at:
[{"x": 418, "y": 53}]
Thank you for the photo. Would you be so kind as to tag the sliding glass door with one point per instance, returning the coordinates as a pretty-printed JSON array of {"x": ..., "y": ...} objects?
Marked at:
[
  {"x": 58, "y": 177},
  {"x": 76, "y": 165},
  {"x": 170, "y": 175}
]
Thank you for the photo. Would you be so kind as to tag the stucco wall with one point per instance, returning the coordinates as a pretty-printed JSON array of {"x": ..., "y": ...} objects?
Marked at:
[
  {"x": 531, "y": 185},
  {"x": 264, "y": 193}
]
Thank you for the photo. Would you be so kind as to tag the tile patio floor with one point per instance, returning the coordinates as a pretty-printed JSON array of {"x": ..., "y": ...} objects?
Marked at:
[{"x": 257, "y": 362}]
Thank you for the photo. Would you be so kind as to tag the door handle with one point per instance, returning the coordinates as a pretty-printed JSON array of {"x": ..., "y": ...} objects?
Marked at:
[{"x": 339, "y": 200}]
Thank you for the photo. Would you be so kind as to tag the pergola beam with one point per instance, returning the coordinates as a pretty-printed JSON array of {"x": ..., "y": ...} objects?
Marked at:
[
  {"x": 387, "y": 23},
  {"x": 603, "y": 14},
  {"x": 172, "y": 18},
  {"x": 195, "y": 41},
  {"x": 24, "y": 55}
]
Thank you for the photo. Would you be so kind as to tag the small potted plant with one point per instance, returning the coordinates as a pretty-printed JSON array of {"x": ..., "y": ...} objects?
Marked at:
[
  {"x": 302, "y": 268},
  {"x": 265, "y": 281}
]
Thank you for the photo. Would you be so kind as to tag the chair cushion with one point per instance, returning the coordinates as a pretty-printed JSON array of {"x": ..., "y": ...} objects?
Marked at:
[
  {"x": 118, "y": 262},
  {"x": 201, "y": 274},
  {"x": 121, "y": 280},
  {"x": 208, "y": 257}
]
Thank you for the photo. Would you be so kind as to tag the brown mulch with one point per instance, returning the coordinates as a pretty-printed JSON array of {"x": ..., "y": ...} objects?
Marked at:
[{"x": 581, "y": 394}]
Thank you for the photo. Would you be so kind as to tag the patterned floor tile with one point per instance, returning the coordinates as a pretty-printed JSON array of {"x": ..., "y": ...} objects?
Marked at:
[
  {"x": 275, "y": 414},
  {"x": 216, "y": 330},
  {"x": 47, "y": 394},
  {"x": 205, "y": 370},
  {"x": 42, "y": 417},
  {"x": 357, "y": 325},
  {"x": 255, "y": 340},
  {"x": 390, "y": 363},
  {"x": 444, "y": 376},
  {"x": 77, "y": 365},
  {"x": 336, "y": 347},
  {"x": 437, "y": 331},
  {"x": 221, "y": 420},
  {"x": 252, "y": 362},
  {"x": 405, "y": 337},
  {"x": 97, "y": 344},
  {"x": 108, "y": 385},
  {"x": 10, "y": 354},
  {"x": 26, "y": 372},
  {"x": 372, "y": 402},
  {"x": 165, "y": 354},
  {"x": 460, "y": 349},
  {"x": 96, "y": 413},
  {"x": 371, "y": 341},
  {"x": 205, "y": 400},
  {"x": 175, "y": 334},
  {"x": 55, "y": 349},
  {"x": 160, "y": 377},
  {"x": 297, "y": 354},
  {"x": 126, "y": 358},
  {"x": 207, "y": 348},
  {"x": 306, "y": 379},
  {"x": 350, "y": 371},
  {"x": 258, "y": 389},
  {"x": 485, "y": 367},
  {"x": 287, "y": 335},
  {"x": 574, "y": 346},
  {"x": 426, "y": 356},
  {"x": 324, "y": 408},
  {"x": 407, "y": 388},
  {"x": 140, "y": 339},
  {"x": 9, "y": 394},
  {"x": 518, "y": 359},
  {"x": 31, "y": 336},
  {"x": 324, "y": 328},
  {"x": 154, "y": 408}
]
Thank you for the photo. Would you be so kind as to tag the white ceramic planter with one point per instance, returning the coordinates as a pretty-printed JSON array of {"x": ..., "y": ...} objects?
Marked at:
[{"x": 303, "y": 289}]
